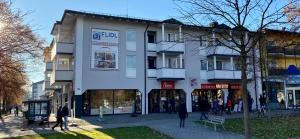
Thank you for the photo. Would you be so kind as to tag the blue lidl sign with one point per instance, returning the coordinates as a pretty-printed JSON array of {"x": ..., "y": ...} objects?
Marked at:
[
  {"x": 105, "y": 36},
  {"x": 293, "y": 79}
]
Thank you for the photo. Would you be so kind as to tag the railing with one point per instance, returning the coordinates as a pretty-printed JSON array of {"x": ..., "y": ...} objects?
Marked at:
[
  {"x": 276, "y": 71},
  {"x": 61, "y": 76},
  {"x": 151, "y": 73},
  {"x": 151, "y": 47},
  {"x": 282, "y": 50},
  {"x": 49, "y": 66},
  {"x": 221, "y": 50},
  {"x": 170, "y": 47},
  {"x": 170, "y": 73},
  {"x": 225, "y": 74},
  {"x": 62, "y": 48}
]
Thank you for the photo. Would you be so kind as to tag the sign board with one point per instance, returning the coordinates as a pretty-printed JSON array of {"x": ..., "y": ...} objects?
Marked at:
[
  {"x": 167, "y": 85},
  {"x": 293, "y": 79},
  {"x": 220, "y": 86},
  {"x": 105, "y": 36},
  {"x": 235, "y": 86},
  {"x": 208, "y": 86}
]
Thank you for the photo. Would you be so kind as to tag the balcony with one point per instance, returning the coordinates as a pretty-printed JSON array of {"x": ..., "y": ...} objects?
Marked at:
[
  {"x": 151, "y": 73},
  {"x": 277, "y": 50},
  {"x": 62, "y": 48},
  {"x": 151, "y": 47},
  {"x": 49, "y": 66},
  {"x": 225, "y": 75},
  {"x": 221, "y": 50},
  {"x": 61, "y": 76},
  {"x": 170, "y": 73},
  {"x": 177, "y": 47},
  {"x": 47, "y": 86}
]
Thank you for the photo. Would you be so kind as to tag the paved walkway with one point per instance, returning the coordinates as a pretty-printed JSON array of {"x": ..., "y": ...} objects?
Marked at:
[{"x": 164, "y": 123}]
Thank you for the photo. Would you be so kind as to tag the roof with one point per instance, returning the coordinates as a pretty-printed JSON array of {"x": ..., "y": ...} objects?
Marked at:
[{"x": 266, "y": 30}]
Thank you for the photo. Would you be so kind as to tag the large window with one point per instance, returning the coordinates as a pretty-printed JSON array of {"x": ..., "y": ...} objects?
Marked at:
[
  {"x": 131, "y": 40},
  {"x": 124, "y": 101},
  {"x": 219, "y": 65},
  {"x": 131, "y": 66},
  {"x": 203, "y": 64},
  {"x": 102, "y": 98}
]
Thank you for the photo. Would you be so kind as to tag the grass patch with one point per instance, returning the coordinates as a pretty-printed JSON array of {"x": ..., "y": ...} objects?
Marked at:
[
  {"x": 267, "y": 128},
  {"x": 139, "y": 132}
]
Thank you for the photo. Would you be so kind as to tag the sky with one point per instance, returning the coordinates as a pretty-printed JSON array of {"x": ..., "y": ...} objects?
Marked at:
[{"x": 44, "y": 13}]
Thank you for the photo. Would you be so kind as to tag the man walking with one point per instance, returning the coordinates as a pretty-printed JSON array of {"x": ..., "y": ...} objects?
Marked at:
[
  {"x": 59, "y": 120},
  {"x": 65, "y": 114},
  {"x": 182, "y": 114}
]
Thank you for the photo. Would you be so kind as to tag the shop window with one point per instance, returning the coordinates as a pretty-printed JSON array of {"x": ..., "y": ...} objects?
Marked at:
[
  {"x": 131, "y": 40},
  {"x": 131, "y": 66},
  {"x": 124, "y": 101},
  {"x": 102, "y": 98},
  {"x": 151, "y": 36},
  {"x": 203, "y": 64},
  {"x": 151, "y": 62}
]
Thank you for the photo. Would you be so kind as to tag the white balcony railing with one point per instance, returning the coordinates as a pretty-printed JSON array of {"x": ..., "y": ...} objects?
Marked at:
[
  {"x": 221, "y": 50},
  {"x": 151, "y": 73},
  {"x": 62, "y": 48},
  {"x": 170, "y": 47},
  {"x": 49, "y": 66},
  {"x": 225, "y": 74},
  {"x": 169, "y": 73},
  {"x": 61, "y": 76},
  {"x": 151, "y": 47}
]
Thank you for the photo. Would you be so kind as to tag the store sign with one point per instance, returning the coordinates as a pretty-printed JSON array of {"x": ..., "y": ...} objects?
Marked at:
[
  {"x": 222, "y": 86},
  {"x": 208, "y": 86},
  {"x": 106, "y": 36},
  {"x": 293, "y": 79},
  {"x": 167, "y": 85},
  {"x": 235, "y": 86}
]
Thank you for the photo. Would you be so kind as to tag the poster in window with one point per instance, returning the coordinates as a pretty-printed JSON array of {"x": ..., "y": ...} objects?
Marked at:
[{"x": 104, "y": 57}]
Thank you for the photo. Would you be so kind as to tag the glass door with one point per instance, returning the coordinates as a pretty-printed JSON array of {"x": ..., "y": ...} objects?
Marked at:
[
  {"x": 297, "y": 97},
  {"x": 290, "y": 99}
]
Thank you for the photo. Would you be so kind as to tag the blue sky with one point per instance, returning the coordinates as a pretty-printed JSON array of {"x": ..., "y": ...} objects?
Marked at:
[{"x": 43, "y": 13}]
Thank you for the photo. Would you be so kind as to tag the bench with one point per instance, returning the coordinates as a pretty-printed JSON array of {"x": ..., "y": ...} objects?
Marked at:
[{"x": 215, "y": 120}]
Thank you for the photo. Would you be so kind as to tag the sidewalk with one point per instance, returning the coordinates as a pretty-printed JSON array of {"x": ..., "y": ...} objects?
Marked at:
[{"x": 165, "y": 123}]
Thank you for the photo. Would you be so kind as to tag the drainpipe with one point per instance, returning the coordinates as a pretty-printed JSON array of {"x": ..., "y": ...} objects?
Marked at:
[{"x": 145, "y": 69}]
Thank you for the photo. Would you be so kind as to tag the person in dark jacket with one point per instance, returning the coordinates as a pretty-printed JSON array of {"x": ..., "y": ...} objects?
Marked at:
[
  {"x": 182, "y": 114},
  {"x": 65, "y": 114},
  {"x": 59, "y": 120},
  {"x": 204, "y": 108}
]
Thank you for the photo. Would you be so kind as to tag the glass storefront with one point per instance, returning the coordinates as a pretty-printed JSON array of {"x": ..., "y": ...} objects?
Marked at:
[
  {"x": 112, "y": 102},
  {"x": 211, "y": 95},
  {"x": 165, "y": 100}
]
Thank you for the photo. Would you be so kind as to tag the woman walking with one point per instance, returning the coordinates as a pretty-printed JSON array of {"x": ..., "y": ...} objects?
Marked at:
[{"x": 182, "y": 114}]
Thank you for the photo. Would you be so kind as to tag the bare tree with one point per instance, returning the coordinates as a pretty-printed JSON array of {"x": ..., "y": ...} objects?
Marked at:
[
  {"x": 18, "y": 44},
  {"x": 246, "y": 19}
]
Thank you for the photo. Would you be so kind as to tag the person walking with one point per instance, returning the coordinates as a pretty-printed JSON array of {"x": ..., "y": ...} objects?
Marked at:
[
  {"x": 229, "y": 105},
  {"x": 59, "y": 120},
  {"x": 182, "y": 114},
  {"x": 17, "y": 111},
  {"x": 203, "y": 108},
  {"x": 65, "y": 114}
]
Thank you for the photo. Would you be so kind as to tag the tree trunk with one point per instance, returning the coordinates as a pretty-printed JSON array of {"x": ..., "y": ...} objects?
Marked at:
[{"x": 245, "y": 96}]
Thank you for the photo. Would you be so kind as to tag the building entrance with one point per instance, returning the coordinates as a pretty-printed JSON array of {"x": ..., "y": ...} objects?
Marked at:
[{"x": 166, "y": 100}]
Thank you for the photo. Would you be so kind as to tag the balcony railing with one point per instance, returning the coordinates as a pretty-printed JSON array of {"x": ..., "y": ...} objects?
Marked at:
[
  {"x": 170, "y": 73},
  {"x": 151, "y": 73},
  {"x": 165, "y": 46},
  {"x": 225, "y": 74},
  {"x": 62, "y": 48},
  {"x": 277, "y": 71},
  {"x": 282, "y": 50},
  {"x": 151, "y": 47},
  {"x": 49, "y": 66},
  {"x": 221, "y": 50},
  {"x": 47, "y": 86},
  {"x": 61, "y": 76}
]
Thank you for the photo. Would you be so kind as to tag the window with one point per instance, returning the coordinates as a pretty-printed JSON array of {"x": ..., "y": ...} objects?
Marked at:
[
  {"x": 203, "y": 64},
  {"x": 151, "y": 36},
  {"x": 131, "y": 40},
  {"x": 210, "y": 65},
  {"x": 105, "y": 60},
  {"x": 219, "y": 65},
  {"x": 151, "y": 62},
  {"x": 63, "y": 64},
  {"x": 131, "y": 66}
]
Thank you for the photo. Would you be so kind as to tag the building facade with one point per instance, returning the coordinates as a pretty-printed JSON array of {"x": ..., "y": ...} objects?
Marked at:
[
  {"x": 282, "y": 78},
  {"x": 129, "y": 65},
  {"x": 37, "y": 90}
]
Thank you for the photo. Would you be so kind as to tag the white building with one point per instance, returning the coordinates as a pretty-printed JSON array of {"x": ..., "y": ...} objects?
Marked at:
[
  {"x": 37, "y": 90},
  {"x": 131, "y": 65}
]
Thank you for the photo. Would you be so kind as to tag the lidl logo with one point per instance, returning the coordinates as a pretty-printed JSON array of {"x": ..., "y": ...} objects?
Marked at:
[{"x": 107, "y": 36}]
